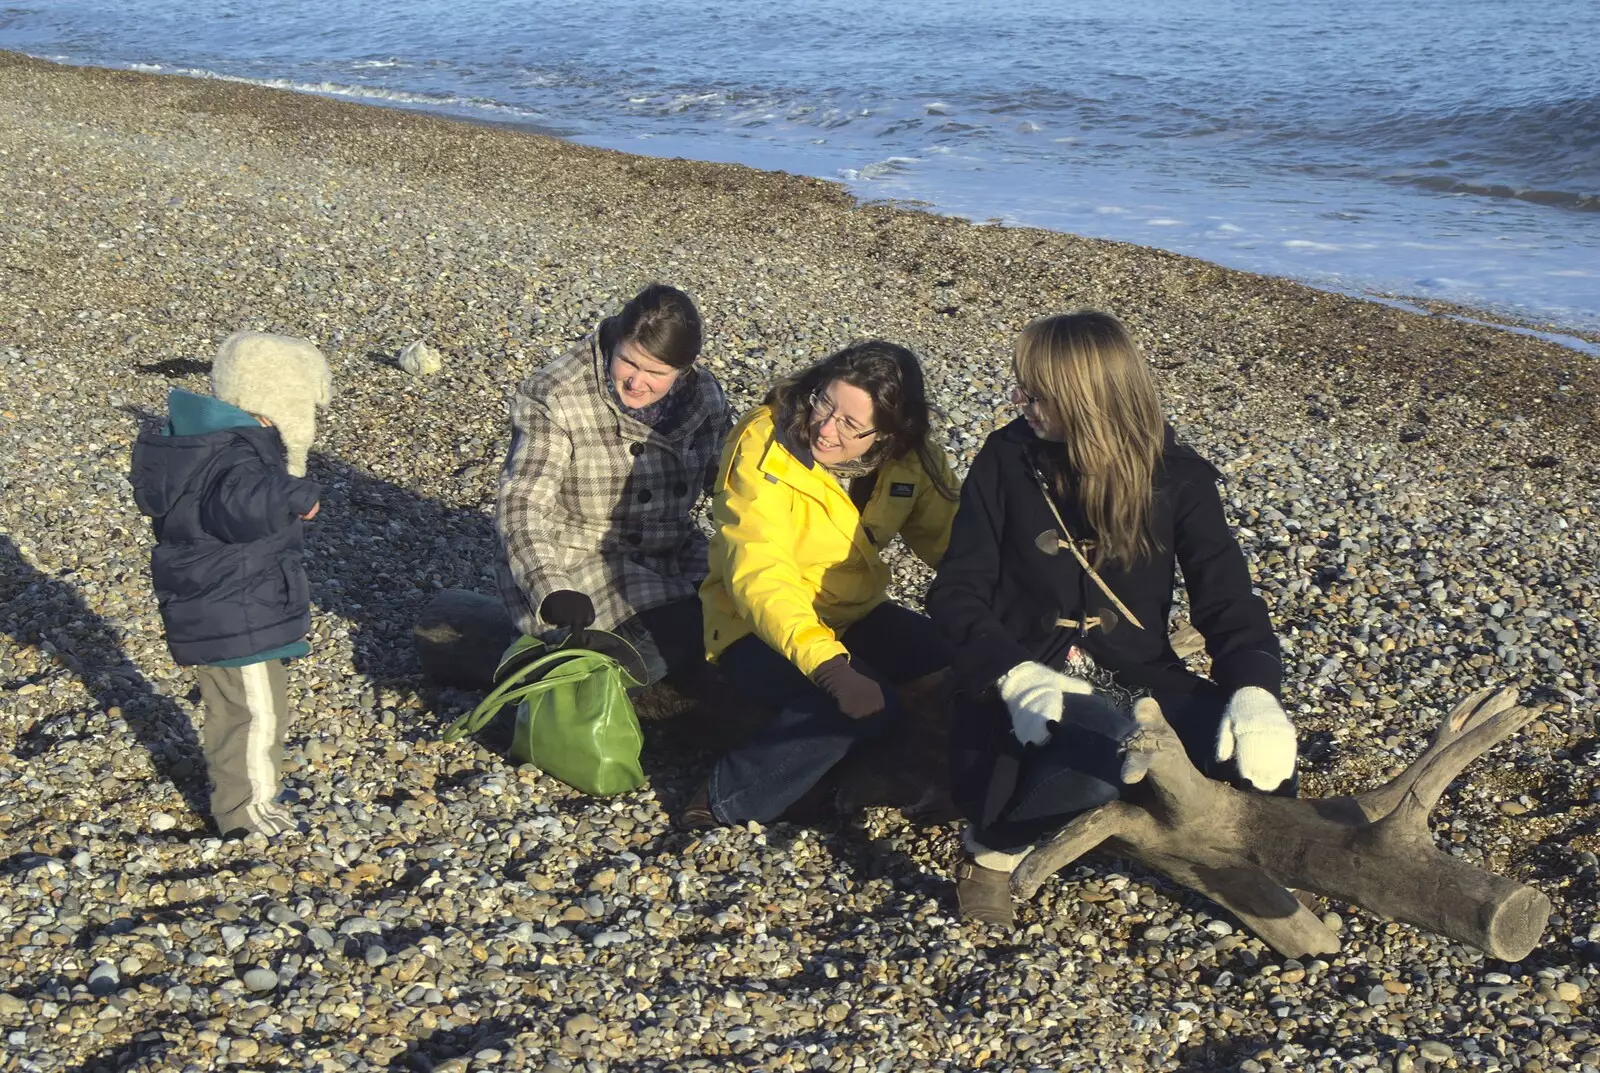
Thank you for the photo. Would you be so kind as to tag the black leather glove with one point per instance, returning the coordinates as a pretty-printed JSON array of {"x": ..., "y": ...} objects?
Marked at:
[
  {"x": 856, "y": 695},
  {"x": 569, "y": 608}
]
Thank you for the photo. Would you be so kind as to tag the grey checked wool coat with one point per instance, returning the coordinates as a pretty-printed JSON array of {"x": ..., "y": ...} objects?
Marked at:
[{"x": 592, "y": 500}]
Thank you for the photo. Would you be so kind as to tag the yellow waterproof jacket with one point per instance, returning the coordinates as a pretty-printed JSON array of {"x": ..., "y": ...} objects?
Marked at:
[{"x": 793, "y": 561}]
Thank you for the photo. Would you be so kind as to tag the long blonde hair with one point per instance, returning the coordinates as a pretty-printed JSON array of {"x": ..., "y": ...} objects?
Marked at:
[{"x": 1092, "y": 388}]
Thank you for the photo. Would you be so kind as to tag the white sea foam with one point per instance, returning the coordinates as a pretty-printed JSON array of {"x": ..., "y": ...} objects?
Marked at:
[
  {"x": 328, "y": 88},
  {"x": 1156, "y": 138},
  {"x": 882, "y": 169}
]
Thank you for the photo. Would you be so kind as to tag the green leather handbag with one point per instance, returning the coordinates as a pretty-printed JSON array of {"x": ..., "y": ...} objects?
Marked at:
[{"x": 574, "y": 718}]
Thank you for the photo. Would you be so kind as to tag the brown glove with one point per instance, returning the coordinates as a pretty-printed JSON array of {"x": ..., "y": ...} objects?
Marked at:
[{"x": 856, "y": 695}]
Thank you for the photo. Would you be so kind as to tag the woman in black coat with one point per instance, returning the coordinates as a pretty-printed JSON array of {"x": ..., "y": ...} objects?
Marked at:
[{"x": 1055, "y": 594}]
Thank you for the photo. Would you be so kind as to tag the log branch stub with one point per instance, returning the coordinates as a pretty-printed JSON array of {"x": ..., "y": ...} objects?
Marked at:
[{"x": 1472, "y": 728}]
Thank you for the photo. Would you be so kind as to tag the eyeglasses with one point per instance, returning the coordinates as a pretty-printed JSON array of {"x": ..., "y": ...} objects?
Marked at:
[
  {"x": 824, "y": 410},
  {"x": 1020, "y": 392}
]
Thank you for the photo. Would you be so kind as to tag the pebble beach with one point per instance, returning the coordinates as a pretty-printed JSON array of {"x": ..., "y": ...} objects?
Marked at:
[{"x": 1417, "y": 496}]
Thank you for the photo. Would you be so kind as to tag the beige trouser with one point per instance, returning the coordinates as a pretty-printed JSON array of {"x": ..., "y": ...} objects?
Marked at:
[{"x": 247, "y": 716}]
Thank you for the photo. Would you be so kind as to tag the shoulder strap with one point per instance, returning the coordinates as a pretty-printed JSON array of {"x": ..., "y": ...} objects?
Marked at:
[{"x": 1067, "y": 541}]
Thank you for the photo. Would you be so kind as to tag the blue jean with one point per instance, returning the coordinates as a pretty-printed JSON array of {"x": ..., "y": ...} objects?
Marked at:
[
  {"x": 761, "y": 778},
  {"x": 1016, "y": 795},
  {"x": 667, "y": 638}
]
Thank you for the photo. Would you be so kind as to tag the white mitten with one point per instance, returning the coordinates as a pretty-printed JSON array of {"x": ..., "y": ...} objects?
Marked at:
[
  {"x": 1255, "y": 727},
  {"x": 1032, "y": 693}
]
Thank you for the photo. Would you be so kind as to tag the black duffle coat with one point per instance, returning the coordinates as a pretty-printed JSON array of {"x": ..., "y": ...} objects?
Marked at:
[{"x": 999, "y": 594}]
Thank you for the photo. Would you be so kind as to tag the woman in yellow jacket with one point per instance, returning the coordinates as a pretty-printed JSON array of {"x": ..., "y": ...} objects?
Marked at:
[{"x": 814, "y": 484}]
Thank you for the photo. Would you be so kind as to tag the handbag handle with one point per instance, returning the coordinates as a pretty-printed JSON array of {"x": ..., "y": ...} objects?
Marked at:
[
  {"x": 581, "y": 664},
  {"x": 515, "y": 688},
  {"x": 474, "y": 720}
]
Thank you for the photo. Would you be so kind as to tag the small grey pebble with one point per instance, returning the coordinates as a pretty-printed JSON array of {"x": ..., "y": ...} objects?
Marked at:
[
  {"x": 259, "y": 979},
  {"x": 103, "y": 979}
]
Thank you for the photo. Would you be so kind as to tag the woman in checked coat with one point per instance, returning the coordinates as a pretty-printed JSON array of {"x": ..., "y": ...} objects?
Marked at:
[{"x": 612, "y": 445}]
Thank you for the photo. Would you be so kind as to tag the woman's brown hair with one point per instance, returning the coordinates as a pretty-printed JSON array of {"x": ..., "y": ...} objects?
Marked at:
[
  {"x": 1094, "y": 391},
  {"x": 892, "y": 376},
  {"x": 662, "y": 320}
]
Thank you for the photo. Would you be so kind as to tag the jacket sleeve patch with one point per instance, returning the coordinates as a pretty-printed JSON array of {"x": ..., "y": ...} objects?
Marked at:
[{"x": 903, "y": 489}]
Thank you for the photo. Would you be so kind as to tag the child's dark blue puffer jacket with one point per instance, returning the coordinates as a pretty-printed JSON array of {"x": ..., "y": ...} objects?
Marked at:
[{"x": 227, "y": 565}]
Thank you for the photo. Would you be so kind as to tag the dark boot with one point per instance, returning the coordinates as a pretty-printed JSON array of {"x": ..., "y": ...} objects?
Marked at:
[
  {"x": 818, "y": 806},
  {"x": 696, "y": 813},
  {"x": 984, "y": 894}
]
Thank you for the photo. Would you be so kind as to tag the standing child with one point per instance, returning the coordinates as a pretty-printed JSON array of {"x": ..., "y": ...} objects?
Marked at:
[{"x": 224, "y": 483}]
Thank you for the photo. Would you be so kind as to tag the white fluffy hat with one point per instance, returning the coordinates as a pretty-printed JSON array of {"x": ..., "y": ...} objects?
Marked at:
[{"x": 282, "y": 378}]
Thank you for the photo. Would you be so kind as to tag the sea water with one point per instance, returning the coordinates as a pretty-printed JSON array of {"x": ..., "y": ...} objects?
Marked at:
[{"x": 1444, "y": 149}]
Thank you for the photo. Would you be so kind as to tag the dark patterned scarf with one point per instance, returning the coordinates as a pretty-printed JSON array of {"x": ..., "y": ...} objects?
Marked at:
[
  {"x": 664, "y": 413},
  {"x": 845, "y": 472}
]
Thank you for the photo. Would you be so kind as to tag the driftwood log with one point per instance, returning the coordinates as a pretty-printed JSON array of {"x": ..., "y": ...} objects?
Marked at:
[{"x": 1373, "y": 850}]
